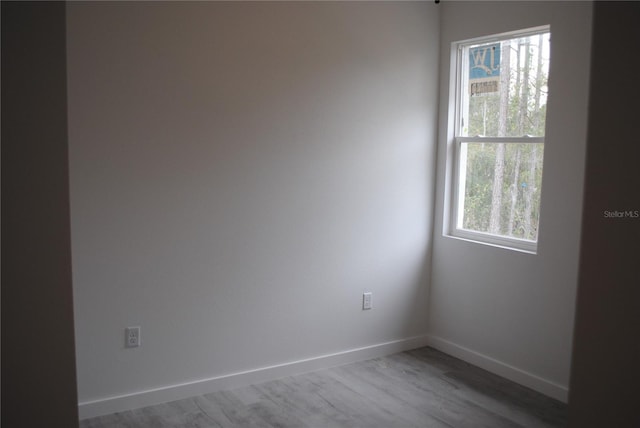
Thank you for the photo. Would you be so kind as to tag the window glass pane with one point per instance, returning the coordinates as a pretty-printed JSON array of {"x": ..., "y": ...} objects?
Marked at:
[
  {"x": 505, "y": 87},
  {"x": 499, "y": 188}
]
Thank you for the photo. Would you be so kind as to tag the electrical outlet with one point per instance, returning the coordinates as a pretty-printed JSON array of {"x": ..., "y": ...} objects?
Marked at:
[
  {"x": 367, "y": 301},
  {"x": 132, "y": 337}
]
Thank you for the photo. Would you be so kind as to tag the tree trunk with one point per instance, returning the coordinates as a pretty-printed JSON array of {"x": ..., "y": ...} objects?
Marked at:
[
  {"x": 498, "y": 176},
  {"x": 524, "y": 98},
  {"x": 518, "y": 91},
  {"x": 505, "y": 70},
  {"x": 496, "y": 194},
  {"x": 529, "y": 193},
  {"x": 484, "y": 117},
  {"x": 514, "y": 194},
  {"x": 536, "y": 120}
]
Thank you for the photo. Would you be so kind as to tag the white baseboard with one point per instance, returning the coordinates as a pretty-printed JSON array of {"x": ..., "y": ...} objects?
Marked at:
[
  {"x": 134, "y": 400},
  {"x": 544, "y": 386}
]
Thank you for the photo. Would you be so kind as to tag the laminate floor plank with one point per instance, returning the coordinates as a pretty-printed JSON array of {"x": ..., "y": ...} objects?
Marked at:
[
  {"x": 385, "y": 399},
  {"x": 320, "y": 406},
  {"x": 296, "y": 398},
  {"x": 416, "y": 404},
  {"x": 239, "y": 414},
  {"x": 213, "y": 412},
  {"x": 362, "y": 409},
  {"x": 502, "y": 396},
  {"x": 419, "y": 388},
  {"x": 441, "y": 396}
]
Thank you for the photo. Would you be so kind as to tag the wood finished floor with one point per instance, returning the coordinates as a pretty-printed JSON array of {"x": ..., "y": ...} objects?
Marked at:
[{"x": 419, "y": 388}]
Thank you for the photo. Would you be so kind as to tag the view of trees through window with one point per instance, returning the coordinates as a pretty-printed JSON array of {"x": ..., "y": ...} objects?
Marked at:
[{"x": 501, "y": 180}]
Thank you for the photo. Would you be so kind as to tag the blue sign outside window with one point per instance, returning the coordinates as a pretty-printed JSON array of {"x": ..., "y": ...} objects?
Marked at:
[{"x": 484, "y": 61}]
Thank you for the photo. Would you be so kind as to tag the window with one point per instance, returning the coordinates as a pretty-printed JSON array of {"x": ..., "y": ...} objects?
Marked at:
[{"x": 501, "y": 98}]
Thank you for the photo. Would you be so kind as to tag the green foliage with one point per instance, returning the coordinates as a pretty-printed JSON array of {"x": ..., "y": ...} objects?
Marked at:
[{"x": 479, "y": 184}]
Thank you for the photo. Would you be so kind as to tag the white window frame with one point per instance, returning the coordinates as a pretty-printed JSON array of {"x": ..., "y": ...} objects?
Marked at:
[{"x": 459, "y": 158}]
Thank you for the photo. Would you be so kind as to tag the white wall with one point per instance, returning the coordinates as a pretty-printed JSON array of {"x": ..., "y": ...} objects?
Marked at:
[
  {"x": 240, "y": 174},
  {"x": 508, "y": 311}
]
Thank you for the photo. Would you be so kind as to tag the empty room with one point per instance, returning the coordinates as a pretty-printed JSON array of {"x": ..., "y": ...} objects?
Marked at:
[{"x": 320, "y": 214}]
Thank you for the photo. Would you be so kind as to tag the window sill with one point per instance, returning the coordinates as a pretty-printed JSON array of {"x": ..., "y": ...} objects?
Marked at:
[{"x": 521, "y": 246}]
